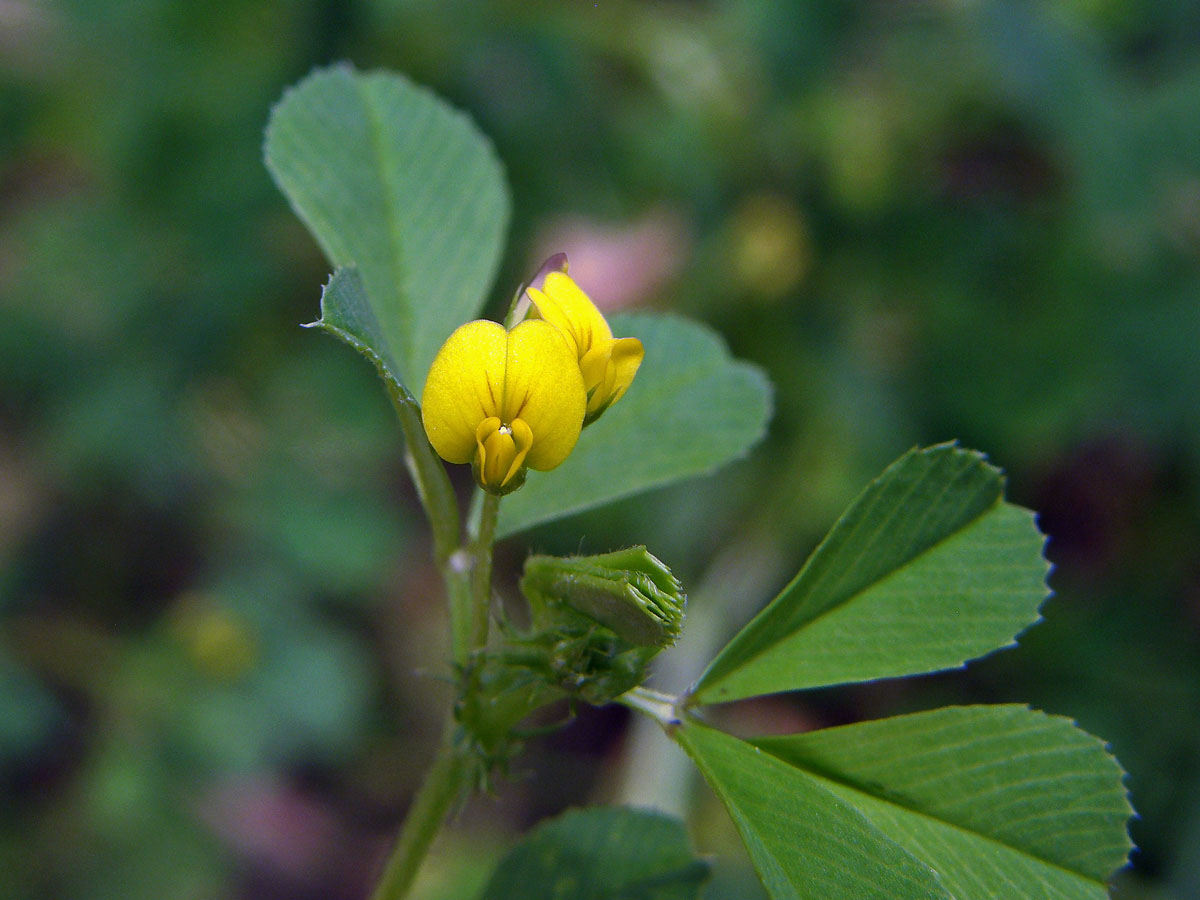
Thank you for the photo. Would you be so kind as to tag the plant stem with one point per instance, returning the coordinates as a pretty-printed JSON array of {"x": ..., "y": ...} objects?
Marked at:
[
  {"x": 662, "y": 708},
  {"x": 468, "y": 576},
  {"x": 467, "y": 572},
  {"x": 429, "y": 475},
  {"x": 481, "y": 575},
  {"x": 437, "y": 793},
  {"x": 456, "y": 573}
]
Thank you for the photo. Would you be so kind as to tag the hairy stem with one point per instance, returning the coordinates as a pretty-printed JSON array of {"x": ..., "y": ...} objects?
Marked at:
[
  {"x": 433, "y": 484},
  {"x": 481, "y": 575},
  {"x": 467, "y": 572},
  {"x": 442, "y": 785}
]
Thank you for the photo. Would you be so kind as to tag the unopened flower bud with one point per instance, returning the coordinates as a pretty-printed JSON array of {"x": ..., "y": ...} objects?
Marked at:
[{"x": 628, "y": 591}]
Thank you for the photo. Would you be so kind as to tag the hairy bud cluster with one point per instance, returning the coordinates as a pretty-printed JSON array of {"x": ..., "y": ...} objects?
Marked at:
[{"x": 596, "y": 622}]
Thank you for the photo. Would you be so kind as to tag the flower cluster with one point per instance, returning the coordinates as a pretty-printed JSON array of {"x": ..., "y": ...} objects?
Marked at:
[{"x": 506, "y": 401}]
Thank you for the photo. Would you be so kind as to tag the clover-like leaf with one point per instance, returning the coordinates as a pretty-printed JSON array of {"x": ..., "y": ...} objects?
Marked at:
[
  {"x": 927, "y": 569},
  {"x": 346, "y": 314},
  {"x": 393, "y": 181}
]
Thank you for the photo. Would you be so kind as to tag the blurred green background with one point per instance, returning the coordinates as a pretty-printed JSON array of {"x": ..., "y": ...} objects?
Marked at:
[{"x": 220, "y": 636}]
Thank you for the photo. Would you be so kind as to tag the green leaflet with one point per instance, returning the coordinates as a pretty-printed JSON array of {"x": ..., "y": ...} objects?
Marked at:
[
  {"x": 601, "y": 853},
  {"x": 1001, "y": 801},
  {"x": 690, "y": 409},
  {"x": 806, "y": 843},
  {"x": 392, "y": 180},
  {"x": 347, "y": 315},
  {"x": 927, "y": 569}
]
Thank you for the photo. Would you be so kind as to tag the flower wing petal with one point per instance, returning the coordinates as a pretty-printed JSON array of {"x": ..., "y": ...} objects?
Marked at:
[
  {"x": 545, "y": 390},
  {"x": 627, "y": 355},
  {"x": 465, "y": 386}
]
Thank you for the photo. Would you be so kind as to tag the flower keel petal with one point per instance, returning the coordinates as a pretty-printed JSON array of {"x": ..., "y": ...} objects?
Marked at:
[{"x": 500, "y": 452}]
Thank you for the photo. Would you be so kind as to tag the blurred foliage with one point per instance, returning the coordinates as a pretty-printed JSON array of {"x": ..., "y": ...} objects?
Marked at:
[{"x": 925, "y": 220}]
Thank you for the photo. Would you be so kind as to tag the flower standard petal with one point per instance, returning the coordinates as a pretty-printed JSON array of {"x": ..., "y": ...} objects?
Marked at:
[
  {"x": 544, "y": 390},
  {"x": 607, "y": 364},
  {"x": 562, "y": 303},
  {"x": 464, "y": 387}
]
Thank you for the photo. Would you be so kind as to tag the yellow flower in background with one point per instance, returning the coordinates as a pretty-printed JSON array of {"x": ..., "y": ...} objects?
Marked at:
[
  {"x": 608, "y": 364},
  {"x": 504, "y": 401}
]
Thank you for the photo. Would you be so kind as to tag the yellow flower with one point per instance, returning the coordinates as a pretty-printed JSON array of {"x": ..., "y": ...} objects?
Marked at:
[
  {"x": 608, "y": 364},
  {"x": 504, "y": 400}
]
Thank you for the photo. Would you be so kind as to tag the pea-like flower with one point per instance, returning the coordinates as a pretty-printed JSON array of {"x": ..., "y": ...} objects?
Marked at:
[
  {"x": 608, "y": 364},
  {"x": 504, "y": 401}
]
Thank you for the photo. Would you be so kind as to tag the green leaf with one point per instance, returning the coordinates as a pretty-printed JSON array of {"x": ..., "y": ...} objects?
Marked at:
[
  {"x": 1001, "y": 801},
  {"x": 392, "y": 180},
  {"x": 601, "y": 853},
  {"x": 347, "y": 315},
  {"x": 805, "y": 843},
  {"x": 690, "y": 409},
  {"x": 927, "y": 569}
]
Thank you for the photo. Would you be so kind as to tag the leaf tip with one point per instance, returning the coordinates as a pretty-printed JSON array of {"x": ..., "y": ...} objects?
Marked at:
[{"x": 341, "y": 67}]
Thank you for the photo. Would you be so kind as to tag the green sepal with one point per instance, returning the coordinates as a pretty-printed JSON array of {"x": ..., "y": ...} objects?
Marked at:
[
  {"x": 564, "y": 654},
  {"x": 498, "y": 692},
  {"x": 514, "y": 483}
]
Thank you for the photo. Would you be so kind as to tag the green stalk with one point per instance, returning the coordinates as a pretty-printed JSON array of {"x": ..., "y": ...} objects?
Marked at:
[
  {"x": 433, "y": 484},
  {"x": 442, "y": 785},
  {"x": 456, "y": 573},
  {"x": 467, "y": 572},
  {"x": 481, "y": 575},
  {"x": 468, "y": 576},
  {"x": 662, "y": 708}
]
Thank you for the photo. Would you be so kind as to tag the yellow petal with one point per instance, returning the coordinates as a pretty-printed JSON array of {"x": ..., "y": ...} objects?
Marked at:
[
  {"x": 608, "y": 371},
  {"x": 522, "y": 436},
  {"x": 544, "y": 389},
  {"x": 627, "y": 355},
  {"x": 563, "y": 304},
  {"x": 595, "y": 366},
  {"x": 464, "y": 387},
  {"x": 501, "y": 451}
]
